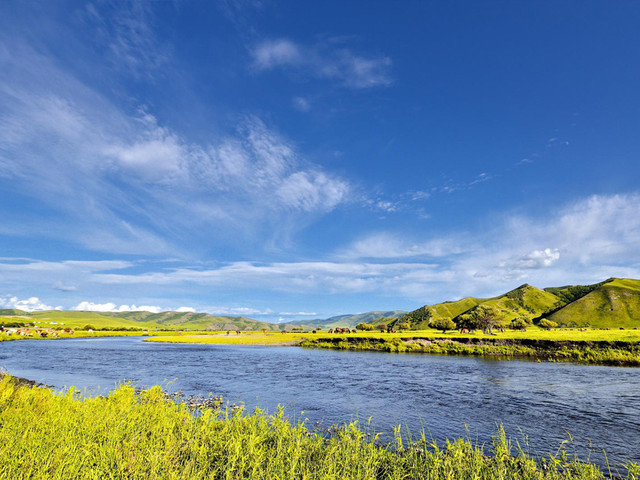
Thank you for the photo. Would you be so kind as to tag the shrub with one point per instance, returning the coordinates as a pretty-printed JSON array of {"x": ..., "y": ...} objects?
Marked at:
[
  {"x": 365, "y": 327},
  {"x": 547, "y": 324},
  {"x": 443, "y": 324}
]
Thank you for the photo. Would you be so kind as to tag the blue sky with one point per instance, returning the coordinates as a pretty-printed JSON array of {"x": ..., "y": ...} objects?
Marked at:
[{"x": 287, "y": 160}]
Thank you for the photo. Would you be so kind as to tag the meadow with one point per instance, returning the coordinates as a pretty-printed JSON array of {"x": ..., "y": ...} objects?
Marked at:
[{"x": 146, "y": 435}]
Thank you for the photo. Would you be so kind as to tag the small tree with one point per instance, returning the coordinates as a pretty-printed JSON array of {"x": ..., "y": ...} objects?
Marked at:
[
  {"x": 365, "y": 327},
  {"x": 443, "y": 324},
  {"x": 518, "y": 324},
  {"x": 484, "y": 317},
  {"x": 404, "y": 326},
  {"x": 547, "y": 324}
]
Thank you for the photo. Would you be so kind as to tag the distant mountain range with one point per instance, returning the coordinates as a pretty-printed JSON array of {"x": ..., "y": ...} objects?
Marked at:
[
  {"x": 349, "y": 320},
  {"x": 613, "y": 303}
]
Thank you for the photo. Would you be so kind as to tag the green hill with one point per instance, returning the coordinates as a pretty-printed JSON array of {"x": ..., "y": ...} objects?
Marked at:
[
  {"x": 613, "y": 303},
  {"x": 137, "y": 320},
  {"x": 12, "y": 311},
  {"x": 525, "y": 301}
]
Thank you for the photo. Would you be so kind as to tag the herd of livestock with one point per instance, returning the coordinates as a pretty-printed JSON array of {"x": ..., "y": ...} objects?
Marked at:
[{"x": 35, "y": 332}]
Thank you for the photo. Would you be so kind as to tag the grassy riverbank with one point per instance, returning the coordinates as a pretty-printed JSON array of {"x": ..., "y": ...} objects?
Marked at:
[
  {"x": 590, "y": 352},
  {"x": 606, "y": 347},
  {"x": 80, "y": 334},
  {"x": 144, "y": 435}
]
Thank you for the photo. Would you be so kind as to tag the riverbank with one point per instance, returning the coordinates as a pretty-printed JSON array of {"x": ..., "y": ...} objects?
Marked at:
[
  {"x": 602, "y": 347},
  {"x": 82, "y": 334},
  {"x": 132, "y": 434},
  {"x": 602, "y": 352}
]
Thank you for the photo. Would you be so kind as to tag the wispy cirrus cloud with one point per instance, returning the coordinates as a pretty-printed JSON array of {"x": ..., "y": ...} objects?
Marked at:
[
  {"x": 586, "y": 241},
  {"x": 325, "y": 61},
  {"x": 129, "y": 184},
  {"x": 125, "y": 31}
]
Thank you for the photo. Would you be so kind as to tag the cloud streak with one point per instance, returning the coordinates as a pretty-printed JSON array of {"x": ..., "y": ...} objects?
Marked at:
[
  {"x": 131, "y": 185},
  {"x": 323, "y": 61}
]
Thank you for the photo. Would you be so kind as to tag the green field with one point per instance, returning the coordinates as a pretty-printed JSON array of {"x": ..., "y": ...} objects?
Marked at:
[{"x": 144, "y": 435}]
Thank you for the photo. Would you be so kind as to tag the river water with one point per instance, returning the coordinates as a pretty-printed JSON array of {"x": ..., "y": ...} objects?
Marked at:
[{"x": 447, "y": 396}]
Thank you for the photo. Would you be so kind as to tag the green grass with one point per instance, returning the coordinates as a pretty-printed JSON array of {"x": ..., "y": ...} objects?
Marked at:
[
  {"x": 245, "y": 338},
  {"x": 582, "y": 352},
  {"x": 613, "y": 304},
  {"x": 139, "y": 320},
  {"x": 533, "y": 333},
  {"x": 606, "y": 347},
  {"x": 129, "y": 435},
  {"x": 82, "y": 334}
]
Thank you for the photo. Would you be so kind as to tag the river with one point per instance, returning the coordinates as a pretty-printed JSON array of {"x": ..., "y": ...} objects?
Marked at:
[{"x": 447, "y": 396}]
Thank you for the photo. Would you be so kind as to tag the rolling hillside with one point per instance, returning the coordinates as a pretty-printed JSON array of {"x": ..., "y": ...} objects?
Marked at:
[
  {"x": 614, "y": 303},
  {"x": 138, "y": 320},
  {"x": 611, "y": 304}
]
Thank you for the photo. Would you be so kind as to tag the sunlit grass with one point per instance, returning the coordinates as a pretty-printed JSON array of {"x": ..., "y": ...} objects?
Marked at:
[
  {"x": 129, "y": 435},
  {"x": 82, "y": 334},
  {"x": 533, "y": 333}
]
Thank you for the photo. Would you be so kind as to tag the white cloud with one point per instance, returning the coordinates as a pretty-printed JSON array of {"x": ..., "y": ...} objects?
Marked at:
[
  {"x": 125, "y": 183},
  {"x": 537, "y": 259},
  {"x": 301, "y": 104},
  {"x": 124, "y": 29},
  {"x": 387, "y": 245},
  {"x": 86, "y": 306},
  {"x": 186, "y": 310},
  {"x": 30, "y": 304},
  {"x": 301, "y": 314},
  {"x": 323, "y": 61},
  {"x": 277, "y": 53},
  {"x": 63, "y": 288},
  {"x": 587, "y": 241}
]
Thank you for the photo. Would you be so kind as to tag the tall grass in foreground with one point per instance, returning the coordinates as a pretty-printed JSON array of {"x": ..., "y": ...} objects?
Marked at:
[{"x": 129, "y": 435}]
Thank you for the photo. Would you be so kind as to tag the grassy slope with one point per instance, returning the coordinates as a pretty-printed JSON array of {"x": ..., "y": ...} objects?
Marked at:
[
  {"x": 613, "y": 304},
  {"x": 453, "y": 309},
  {"x": 196, "y": 321},
  {"x": 142, "y": 320},
  {"x": 525, "y": 301}
]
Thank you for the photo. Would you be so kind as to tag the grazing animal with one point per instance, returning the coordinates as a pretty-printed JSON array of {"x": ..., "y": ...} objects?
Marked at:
[
  {"x": 331, "y": 330},
  {"x": 346, "y": 330},
  {"x": 283, "y": 331},
  {"x": 238, "y": 332},
  {"x": 354, "y": 331},
  {"x": 464, "y": 330},
  {"x": 313, "y": 331}
]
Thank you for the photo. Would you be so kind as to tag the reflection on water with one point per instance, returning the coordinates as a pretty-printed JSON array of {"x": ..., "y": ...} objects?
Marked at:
[{"x": 448, "y": 396}]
